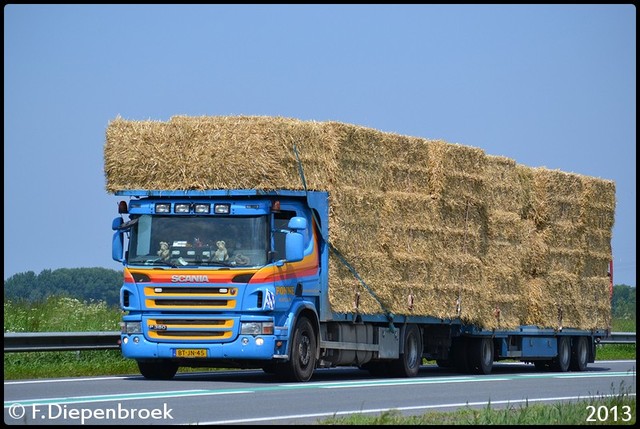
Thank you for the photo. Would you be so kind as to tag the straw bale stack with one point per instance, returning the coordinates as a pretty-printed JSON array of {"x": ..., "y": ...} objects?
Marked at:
[
  {"x": 216, "y": 153},
  {"x": 506, "y": 232},
  {"x": 433, "y": 228}
]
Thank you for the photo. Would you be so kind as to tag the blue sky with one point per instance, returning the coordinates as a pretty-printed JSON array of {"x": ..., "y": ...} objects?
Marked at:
[{"x": 545, "y": 85}]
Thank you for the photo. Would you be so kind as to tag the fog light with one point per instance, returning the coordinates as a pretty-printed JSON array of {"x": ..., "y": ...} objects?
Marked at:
[
  {"x": 136, "y": 340},
  {"x": 245, "y": 341}
]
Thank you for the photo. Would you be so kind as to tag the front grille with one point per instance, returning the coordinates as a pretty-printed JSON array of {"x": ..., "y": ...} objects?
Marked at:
[
  {"x": 191, "y": 302},
  {"x": 201, "y": 329},
  {"x": 198, "y": 298},
  {"x": 191, "y": 334}
]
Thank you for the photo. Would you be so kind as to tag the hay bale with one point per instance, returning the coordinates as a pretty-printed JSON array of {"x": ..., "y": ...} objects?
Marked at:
[
  {"x": 596, "y": 302},
  {"x": 502, "y": 268},
  {"x": 557, "y": 195},
  {"x": 457, "y": 171},
  {"x": 503, "y": 187}
]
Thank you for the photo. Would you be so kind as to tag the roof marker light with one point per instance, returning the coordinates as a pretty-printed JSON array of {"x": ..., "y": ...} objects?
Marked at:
[
  {"x": 182, "y": 208},
  {"x": 203, "y": 208},
  {"x": 163, "y": 207},
  {"x": 221, "y": 208}
]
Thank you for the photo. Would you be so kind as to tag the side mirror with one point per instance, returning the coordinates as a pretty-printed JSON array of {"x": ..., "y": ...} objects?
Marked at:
[
  {"x": 117, "y": 245},
  {"x": 294, "y": 246},
  {"x": 294, "y": 240},
  {"x": 117, "y": 222},
  {"x": 298, "y": 223}
]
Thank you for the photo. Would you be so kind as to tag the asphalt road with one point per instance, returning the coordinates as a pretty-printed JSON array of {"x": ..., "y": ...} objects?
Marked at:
[{"x": 256, "y": 398}]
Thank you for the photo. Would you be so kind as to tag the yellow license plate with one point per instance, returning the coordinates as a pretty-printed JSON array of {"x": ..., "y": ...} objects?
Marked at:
[{"x": 191, "y": 353}]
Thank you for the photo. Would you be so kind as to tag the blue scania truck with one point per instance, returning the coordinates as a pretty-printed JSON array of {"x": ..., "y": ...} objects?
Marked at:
[{"x": 240, "y": 278}]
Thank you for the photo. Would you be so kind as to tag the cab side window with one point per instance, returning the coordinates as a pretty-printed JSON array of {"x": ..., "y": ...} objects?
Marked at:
[{"x": 281, "y": 222}]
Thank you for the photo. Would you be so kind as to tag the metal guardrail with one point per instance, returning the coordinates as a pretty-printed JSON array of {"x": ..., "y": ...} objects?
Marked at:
[
  {"x": 61, "y": 341},
  {"x": 619, "y": 338},
  {"x": 106, "y": 340}
]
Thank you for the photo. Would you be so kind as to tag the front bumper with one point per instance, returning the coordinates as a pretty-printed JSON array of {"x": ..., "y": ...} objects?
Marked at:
[{"x": 249, "y": 347}]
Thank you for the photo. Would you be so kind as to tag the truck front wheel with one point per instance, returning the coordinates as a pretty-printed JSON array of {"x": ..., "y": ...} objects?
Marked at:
[
  {"x": 157, "y": 370},
  {"x": 302, "y": 361}
]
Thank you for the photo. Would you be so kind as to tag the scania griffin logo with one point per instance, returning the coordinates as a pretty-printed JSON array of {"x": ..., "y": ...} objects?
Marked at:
[{"x": 186, "y": 279}]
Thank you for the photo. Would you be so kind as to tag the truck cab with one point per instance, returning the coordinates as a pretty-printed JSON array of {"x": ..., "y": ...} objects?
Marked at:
[{"x": 218, "y": 278}]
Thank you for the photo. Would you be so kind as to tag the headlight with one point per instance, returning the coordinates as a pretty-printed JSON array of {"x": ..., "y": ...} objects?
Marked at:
[
  {"x": 131, "y": 327},
  {"x": 256, "y": 328}
]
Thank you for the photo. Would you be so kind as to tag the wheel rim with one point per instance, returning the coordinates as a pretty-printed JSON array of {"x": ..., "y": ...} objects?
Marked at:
[{"x": 303, "y": 350}]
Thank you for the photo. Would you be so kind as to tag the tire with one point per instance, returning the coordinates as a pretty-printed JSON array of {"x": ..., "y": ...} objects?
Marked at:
[
  {"x": 579, "y": 354},
  {"x": 408, "y": 365},
  {"x": 302, "y": 361},
  {"x": 157, "y": 370},
  {"x": 561, "y": 362},
  {"x": 480, "y": 355}
]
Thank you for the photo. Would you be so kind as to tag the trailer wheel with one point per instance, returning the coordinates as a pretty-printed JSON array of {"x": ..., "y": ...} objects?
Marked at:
[
  {"x": 561, "y": 362},
  {"x": 158, "y": 370},
  {"x": 411, "y": 357},
  {"x": 302, "y": 361},
  {"x": 579, "y": 354},
  {"x": 480, "y": 355}
]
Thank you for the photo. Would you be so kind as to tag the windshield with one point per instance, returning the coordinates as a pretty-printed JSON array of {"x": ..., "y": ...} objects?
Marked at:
[{"x": 193, "y": 241}]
